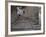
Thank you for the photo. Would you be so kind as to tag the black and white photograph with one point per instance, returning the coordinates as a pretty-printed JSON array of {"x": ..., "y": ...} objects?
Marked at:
[{"x": 25, "y": 18}]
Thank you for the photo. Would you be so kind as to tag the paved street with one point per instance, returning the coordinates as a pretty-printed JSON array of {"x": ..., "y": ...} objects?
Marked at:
[{"x": 25, "y": 24}]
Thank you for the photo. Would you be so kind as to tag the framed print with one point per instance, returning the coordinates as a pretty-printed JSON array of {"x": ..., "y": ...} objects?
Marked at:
[{"x": 25, "y": 18}]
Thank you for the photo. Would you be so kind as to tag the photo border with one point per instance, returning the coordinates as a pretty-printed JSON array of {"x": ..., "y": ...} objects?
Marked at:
[{"x": 10, "y": 33}]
